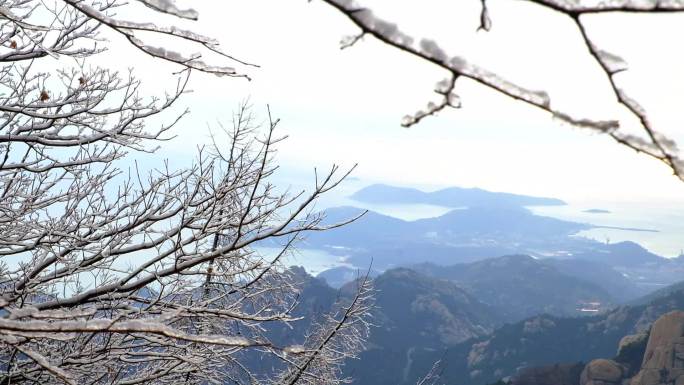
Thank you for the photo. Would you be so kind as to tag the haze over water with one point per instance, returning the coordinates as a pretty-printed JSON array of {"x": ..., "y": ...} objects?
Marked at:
[{"x": 667, "y": 219}]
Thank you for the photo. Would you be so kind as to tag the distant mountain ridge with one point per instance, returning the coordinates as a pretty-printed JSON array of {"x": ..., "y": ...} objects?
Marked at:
[
  {"x": 519, "y": 286},
  {"x": 533, "y": 342},
  {"x": 602, "y": 274},
  {"x": 674, "y": 289},
  {"x": 415, "y": 314},
  {"x": 545, "y": 340},
  {"x": 476, "y": 233},
  {"x": 420, "y": 319},
  {"x": 437, "y": 311},
  {"x": 449, "y": 197},
  {"x": 461, "y": 235}
]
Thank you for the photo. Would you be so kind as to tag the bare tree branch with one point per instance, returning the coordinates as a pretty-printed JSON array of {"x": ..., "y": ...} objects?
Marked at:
[
  {"x": 126, "y": 275},
  {"x": 654, "y": 144}
]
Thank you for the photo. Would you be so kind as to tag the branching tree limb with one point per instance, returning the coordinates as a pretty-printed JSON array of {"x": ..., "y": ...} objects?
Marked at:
[
  {"x": 114, "y": 276},
  {"x": 654, "y": 143}
]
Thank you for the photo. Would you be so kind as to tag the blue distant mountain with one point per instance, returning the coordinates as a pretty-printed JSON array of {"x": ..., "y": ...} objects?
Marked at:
[
  {"x": 623, "y": 253},
  {"x": 498, "y": 222},
  {"x": 519, "y": 286},
  {"x": 464, "y": 225},
  {"x": 462, "y": 235},
  {"x": 481, "y": 232},
  {"x": 449, "y": 315},
  {"x": 449, "y": 197}
]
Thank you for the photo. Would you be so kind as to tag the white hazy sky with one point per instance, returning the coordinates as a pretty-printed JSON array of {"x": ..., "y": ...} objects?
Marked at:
[{"x": 344, "y": 106}]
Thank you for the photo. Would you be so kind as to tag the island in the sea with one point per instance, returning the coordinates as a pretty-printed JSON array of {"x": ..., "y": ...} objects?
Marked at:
[
  {"x": 597, "y": 211},
  {"x": 456, "y": 197}
]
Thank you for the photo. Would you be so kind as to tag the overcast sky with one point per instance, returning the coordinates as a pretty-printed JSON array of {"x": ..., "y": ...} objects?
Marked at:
[{"x": 344, "y": 106}]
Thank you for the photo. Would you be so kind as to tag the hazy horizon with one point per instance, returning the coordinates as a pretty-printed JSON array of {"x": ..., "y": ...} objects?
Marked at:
[{"x": 345, "y": 106}]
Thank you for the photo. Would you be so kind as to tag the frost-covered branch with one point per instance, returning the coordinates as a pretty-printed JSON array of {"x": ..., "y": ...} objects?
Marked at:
[
  {"x": 575, "y": 8},
  {"x": 122, "y": 273},
  {"x": 129, "y": 28},
  {"x": 169, "y": 6},
  {"x": 654, "y": 143},
  {"x": 338, "y": 337}
]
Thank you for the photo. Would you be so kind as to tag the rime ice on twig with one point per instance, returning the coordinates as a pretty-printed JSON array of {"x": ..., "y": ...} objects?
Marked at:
[
  {"x": 168, "y": 6},
  {"x": 130, "y": 276},
  {"x": 445, "y": 88},
  {"x": 613, "y": 62},
  {"x": 128, "y": 29},
  {"x": 653, "y": 143}
]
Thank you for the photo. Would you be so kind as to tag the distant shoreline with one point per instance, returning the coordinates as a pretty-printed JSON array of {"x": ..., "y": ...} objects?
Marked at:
[{"x": 626, "y": 229}]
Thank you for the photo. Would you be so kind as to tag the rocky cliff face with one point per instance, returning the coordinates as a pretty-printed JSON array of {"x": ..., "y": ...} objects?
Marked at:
[
  {"x": 602, "y": 372},
  {"x": 547, "y": 340},
  {"x": 654, "y": 357},
  {"x": 663, "y": 362}
]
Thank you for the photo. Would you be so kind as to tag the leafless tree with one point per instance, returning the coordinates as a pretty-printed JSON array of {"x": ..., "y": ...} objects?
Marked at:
[
  {"x": 115, "y": 276},
  {"x": 653, "y": 142}
]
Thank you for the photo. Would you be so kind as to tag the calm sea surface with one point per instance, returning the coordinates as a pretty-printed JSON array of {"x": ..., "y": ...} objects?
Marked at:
[{"x": 668, "y": 241}]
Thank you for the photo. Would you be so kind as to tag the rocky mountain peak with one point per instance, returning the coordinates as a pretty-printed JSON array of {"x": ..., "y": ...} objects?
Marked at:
[
  {"x": 602, "y": 372},
  {"x": 663, "y": 361}
]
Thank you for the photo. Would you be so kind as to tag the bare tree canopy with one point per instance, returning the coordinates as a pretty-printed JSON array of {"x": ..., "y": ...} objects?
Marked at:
[
  {"x": 653, "y": 142},
  {"x": 129, "y": 276}
]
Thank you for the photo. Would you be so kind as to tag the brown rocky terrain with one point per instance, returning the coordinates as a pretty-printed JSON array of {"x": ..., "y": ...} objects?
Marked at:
[
  {"x": 663, "y": 362},
  {"x": 653, "y": 357}
]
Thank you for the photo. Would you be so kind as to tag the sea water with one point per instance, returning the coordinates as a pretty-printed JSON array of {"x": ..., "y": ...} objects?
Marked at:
[{"x": 666, "y": 222}]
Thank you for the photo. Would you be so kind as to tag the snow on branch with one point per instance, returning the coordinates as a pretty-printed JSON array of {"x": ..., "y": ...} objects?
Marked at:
[
  {"x": 128, "y": 29},
  {"x": 25, "y": 328},
  {"x": 654, "y": 144},
  {"x": 445, "y": 88},
  {"x": 122, "y": 275},
  {"x": 578, "y": 7},
  {"x": 168, "y": 6}
]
